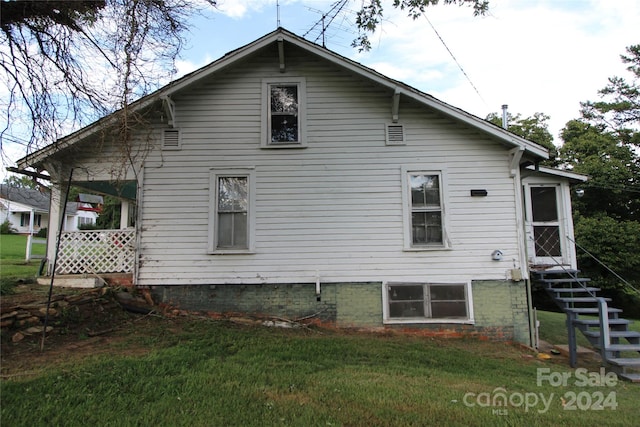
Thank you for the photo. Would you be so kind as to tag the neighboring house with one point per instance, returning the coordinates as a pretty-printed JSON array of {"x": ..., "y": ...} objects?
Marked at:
[
  {"x": 20, "y": 205},
  {"x": 286, "y": 180}
]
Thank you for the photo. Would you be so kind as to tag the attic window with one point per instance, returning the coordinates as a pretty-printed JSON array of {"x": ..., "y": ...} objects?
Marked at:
[
  {"x": 395, "y": 134},
  {"x": 283, "y": 113},
  {"x": 171, "y": 139}
]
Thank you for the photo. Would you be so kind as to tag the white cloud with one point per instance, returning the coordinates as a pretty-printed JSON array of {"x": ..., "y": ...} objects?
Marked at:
[
  {"x": 536, "y": 56},
  {"x": 239, "y": 8}
]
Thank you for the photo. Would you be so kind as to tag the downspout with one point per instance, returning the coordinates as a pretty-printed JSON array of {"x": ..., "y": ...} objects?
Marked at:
[{"x": 138, "y": 224}]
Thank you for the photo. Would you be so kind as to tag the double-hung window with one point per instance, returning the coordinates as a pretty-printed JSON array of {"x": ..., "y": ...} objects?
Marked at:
[
  {"x": 231, "y": 221},
  {"x": 284, "y": 112},
  {"x": 424, "y": 210},
  {"x": 424, "y": 302}
]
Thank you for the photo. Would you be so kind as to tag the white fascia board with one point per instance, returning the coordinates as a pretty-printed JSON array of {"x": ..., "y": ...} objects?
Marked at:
[{"x": 560, "y": 172}]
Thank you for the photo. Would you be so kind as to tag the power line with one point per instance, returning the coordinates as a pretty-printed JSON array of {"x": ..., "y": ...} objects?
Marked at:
[{"x": 455, "y": 60}]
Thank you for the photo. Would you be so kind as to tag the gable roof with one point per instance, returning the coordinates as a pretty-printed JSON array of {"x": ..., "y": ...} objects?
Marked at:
[
  {"x": 281, "y": 35},
  {"x": 26, "y": 196},
  {"x": 33, "y": 198}
]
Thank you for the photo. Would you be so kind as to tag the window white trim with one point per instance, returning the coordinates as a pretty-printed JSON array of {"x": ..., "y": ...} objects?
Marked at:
[
  {"x": 407, "y": 172},
  {"x": 214, "y": 175},
  {"x": 265, "y": 128},
  {"x": 388, "y": 320}
]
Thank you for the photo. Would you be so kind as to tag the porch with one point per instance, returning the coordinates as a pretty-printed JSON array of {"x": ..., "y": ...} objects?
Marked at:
[{"x": 90, "y": 258}]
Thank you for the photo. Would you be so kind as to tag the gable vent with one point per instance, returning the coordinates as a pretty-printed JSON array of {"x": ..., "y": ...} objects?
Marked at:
[
  {"x": 171, "y": 139},
  {"x": 395, "y": 134}
]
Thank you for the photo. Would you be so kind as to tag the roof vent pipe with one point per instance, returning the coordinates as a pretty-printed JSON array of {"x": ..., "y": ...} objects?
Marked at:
[{"x": 505, "y": 123}]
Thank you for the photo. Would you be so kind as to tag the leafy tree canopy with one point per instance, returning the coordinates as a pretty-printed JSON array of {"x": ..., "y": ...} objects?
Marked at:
[
  {"x": 613, "y": 168},
  {"x": 20, "y": 181},
  {"x": 534, "y": 128},
  {"x": 605, "y": 145},
  {"x": 619, "y": 108}
]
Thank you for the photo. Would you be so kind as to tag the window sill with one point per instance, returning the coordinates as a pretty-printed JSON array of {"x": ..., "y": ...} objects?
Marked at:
[
  {"x": 232, "y": 252},
  {"x": 426, "y": 248},
  {"x": 277, "y": 145},
  {"x": 427, "y": 321}
]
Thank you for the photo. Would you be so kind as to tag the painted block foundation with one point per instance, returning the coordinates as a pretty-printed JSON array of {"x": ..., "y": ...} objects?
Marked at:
[{"x": 500, "y": 307}]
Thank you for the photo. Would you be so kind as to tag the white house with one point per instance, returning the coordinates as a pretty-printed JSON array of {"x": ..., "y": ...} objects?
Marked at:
[
  {"x": 27, "y": 210},
  {"x": 286, "y": 180}
]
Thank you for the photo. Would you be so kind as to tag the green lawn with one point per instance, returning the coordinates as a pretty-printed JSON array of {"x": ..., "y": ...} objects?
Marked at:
[
  {"x": 553, "y": 328},
  {"x": 12, "y": 260},
  {"x": 164, "y": 372},
  {"x": 207, "y": 373}
]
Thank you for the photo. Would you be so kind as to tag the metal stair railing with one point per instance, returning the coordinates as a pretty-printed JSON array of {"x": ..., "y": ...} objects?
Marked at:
[
  {"x": 603, "y": 309},
  {"x": 605, "y": 339},
  {"x": 596, "y": 259},
  {"x": 571, "y": 316}
]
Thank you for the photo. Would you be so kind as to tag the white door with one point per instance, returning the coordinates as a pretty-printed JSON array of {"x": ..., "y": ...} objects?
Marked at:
[{"x": 545, "y": 241}]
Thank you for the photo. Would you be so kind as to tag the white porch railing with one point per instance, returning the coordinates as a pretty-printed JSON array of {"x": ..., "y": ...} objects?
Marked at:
[{"x": 96, "y": 251}]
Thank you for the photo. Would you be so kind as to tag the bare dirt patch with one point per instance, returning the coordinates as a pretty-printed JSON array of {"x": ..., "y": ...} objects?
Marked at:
[{"x": 84, "y": 323}]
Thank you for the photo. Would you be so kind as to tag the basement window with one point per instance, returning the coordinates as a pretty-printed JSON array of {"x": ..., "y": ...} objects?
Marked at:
[{"x": 426, "y": 303}]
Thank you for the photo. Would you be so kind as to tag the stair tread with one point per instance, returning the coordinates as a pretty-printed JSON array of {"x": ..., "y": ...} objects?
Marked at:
[
  {"x": 594, "y": 310},
  {"x": 634, "y": 378},
  {"x": 581, "y": 299},
  {"x": 622, "y": 347},
  {"x": 624, "y": 361},
  {"x": 614, "y": 334},
  {"x": 554, "y": 272},
  {"x": 566, "y": 280},
  {"x": 574, "y": 290},
  {"x": 596, "y": 322}
]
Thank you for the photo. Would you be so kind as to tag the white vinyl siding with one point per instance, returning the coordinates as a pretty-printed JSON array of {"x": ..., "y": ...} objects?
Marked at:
[
  {"x": 231, "y": 225},
  {"x": 334, "y": 209},
  {"x": 284, "y": 112}
]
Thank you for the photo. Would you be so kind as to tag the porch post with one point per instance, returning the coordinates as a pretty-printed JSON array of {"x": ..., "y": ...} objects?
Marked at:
[
  {"x": 30, "y": 236},
  {"x": 59, "y": 177},
  {"x": 124, "y": 214}
]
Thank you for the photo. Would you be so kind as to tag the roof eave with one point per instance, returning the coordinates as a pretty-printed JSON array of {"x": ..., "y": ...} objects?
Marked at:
[{"x": 502, "y": 135}]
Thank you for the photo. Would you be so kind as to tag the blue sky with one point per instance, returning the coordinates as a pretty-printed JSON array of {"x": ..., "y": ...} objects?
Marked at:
[{"x": 534, "y": 55}]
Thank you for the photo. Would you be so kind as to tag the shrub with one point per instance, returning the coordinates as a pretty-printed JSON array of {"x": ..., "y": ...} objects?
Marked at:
[
  {"x": 88, "y": 227},
  {"x": 42, "y": 232},
  {"x": 7, "y": 228}
]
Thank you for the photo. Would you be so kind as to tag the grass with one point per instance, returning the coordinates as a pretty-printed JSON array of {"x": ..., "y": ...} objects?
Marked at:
[
  {"x": 13, "y": 266},
  {"x": 215, "y": 373},
  {"x": 554, "y": 331}
]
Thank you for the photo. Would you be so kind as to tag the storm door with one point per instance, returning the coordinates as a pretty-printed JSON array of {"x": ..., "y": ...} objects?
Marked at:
[{"x": 545, "y": 241}]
